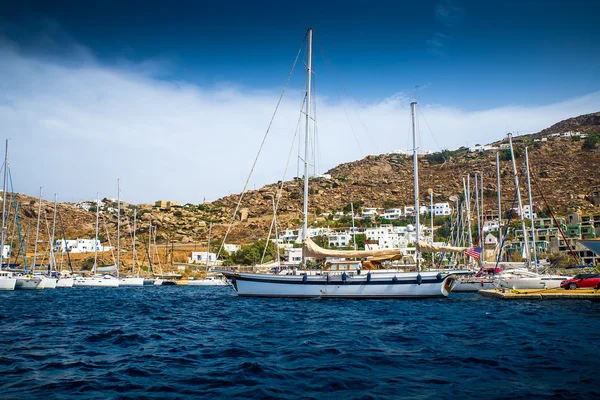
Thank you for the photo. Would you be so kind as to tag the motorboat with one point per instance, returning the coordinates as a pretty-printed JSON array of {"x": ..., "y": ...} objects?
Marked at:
[
  {"x": 208, "y": 281},
  {"x": 521, "y": 278}
]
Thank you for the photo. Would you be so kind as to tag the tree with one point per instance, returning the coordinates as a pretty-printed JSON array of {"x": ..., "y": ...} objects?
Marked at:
[
  {"x": 252, "y": 253},
  {"x": 590, "y": 142}
]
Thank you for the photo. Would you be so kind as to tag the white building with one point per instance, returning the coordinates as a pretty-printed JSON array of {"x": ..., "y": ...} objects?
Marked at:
[
  {"x": 293, "y": 255},
  {"x": 203, "y": 257},
  {"x": 441, "y": 209},
  {"x": 490, "y": 226},
  {"x": 340, "y": 239},
  {"x": 392, "y": 213},
  {"x": 526, "y": 211},
  {"x": 231, "y": 248},
  {"x": 79, "y": 246},
  {"x": 5, "y": 252},
  {"x": 369, "y": 212}
]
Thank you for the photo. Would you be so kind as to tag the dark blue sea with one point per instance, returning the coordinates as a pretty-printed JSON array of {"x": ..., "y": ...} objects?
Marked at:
[{"x": 205, "y": 342}]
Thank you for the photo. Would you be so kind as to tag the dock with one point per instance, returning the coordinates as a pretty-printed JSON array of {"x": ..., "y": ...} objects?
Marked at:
[{"x": 542, "y": 294}]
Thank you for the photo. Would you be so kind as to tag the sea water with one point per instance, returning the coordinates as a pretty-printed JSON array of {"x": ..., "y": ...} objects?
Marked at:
[{"x": 206, "y": 342}]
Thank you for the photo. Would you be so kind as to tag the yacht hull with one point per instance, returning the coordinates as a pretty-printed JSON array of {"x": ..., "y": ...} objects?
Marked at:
[
  {"x": 96, "y": 282},
  {"x": 131, "y": 282},
  {"x": 473, "y": 285},
  {"x": 65, "y": 283},
  {"x": 207, "y": 282},
  {"x": 8, "y": 284},
  {"x": 48, "y": 283},
  {"x": 28, "y": 284},
  {"x": 401, "y": 285},
  {"x": 550, "y": 282}
]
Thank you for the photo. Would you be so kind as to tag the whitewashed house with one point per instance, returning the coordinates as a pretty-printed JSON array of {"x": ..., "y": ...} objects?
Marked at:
[
  {"x": 79, "y": 246},
  {"x": 441, "y": 209},
  {"x": 203, "y": 257},
  {"x": 392, "y": 213}
]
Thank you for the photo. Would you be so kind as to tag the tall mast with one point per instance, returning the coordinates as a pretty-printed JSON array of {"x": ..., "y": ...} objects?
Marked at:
[
  {"x": 96, "y": 240},
  {"x": 499, "y": 196},
  {"x": 431, "y": 212},
  {"x": 525, "y": 243},
  {"x": 52, "y": 258},
  {"x": 531, "y": 212},
  {"x": 3, "y": 235},
  {"x": 477, "y": 210},
  {"x": 133, "y": 252},
  {"x": 413, "y": 111},
  {"x": 307, "y": 135},
  {"x": 208, "y": 245},
  {"x": 353, "y": 228},
  {"x": 118, "y": 226},
  {"x": 150, "y": 255},
  {"x": 37, "y": 231}
]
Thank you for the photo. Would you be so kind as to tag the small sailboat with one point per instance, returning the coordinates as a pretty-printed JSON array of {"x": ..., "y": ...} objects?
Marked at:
[
  {"x": 97, "y": 280},
  {"x": 346, "y": 284},
  {"x": 7, "y": 280}
]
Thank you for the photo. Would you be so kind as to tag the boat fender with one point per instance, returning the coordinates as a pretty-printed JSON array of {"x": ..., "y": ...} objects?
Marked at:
[
  {"x": 304, "y": 278},
  {"x": 419, "y": 279},
  {"x": 344, "y": 277},
  {"x": 439, "y": 277},
  {"x": 481, "y": 283},
  {"x": 328, "y": 278},
  {"x": 395, "y": 279},
  {"x": 369, "y": 277}
]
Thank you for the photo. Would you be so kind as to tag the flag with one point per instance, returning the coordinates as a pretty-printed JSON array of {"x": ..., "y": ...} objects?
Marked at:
[{"x": 474, "y": 252}]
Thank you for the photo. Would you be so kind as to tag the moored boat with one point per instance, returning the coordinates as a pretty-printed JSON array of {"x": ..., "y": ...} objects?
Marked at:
[
  {"x": 7, "y": 280},
  {"x": 96, "y": 281},
  {"x": 28, "y": 283},
  {"x": 208, "y": 281}
]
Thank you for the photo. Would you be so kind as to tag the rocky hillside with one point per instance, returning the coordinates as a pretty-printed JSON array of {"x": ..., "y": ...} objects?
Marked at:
[{"x": 562, "y": 170}]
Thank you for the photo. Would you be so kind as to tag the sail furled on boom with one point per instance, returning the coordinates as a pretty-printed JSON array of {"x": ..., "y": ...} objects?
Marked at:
[
  {"x": 311, "y": 249},
  {"x": 424, "y": 247}
]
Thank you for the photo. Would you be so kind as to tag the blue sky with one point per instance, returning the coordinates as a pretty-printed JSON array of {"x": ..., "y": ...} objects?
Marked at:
[{"x": 483, "y": 68}]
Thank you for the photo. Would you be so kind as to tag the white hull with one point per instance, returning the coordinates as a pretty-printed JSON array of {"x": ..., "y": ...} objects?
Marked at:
[
  {"x": 65, "y": 283},
  {"x": 158, "y": 282},
  {"x": 207, "y": 282},
  {"x": 8, "y": 283},
  {"x": 473, "y": 285},
  {"x": 94, "y": 281},
  {"x": 131, "y": 282},
  {"x": 388, "y": 285},
  {"x": 48, "y": 283},
  {"x": 28, "y": 283},
  {"x": 544, "y": 282}
]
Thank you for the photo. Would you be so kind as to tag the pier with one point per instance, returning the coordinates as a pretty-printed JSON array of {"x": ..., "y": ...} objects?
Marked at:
[{"x": 543, "y": 294}]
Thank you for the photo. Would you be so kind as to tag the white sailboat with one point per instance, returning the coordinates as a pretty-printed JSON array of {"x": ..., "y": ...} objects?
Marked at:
[
  {"x": 7, "y": 280},
  {"x": 47, "y": 282},
  {"x": 128, "y": 280},
  {"x": 97, "y": 280},
  {"x": 522, "y": 278},
  {"x": 351, "y": 284}
]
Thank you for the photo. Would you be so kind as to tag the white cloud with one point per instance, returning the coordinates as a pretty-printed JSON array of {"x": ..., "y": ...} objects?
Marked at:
[{"x": 77, "y": 127}]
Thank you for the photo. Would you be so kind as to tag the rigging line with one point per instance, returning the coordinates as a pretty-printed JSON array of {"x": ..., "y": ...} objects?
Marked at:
[
  {"x": 553, "y": 217},
  {"x": 18, "y": 221},
  {"x": 280, "y": 189},
  {"x": 426, "y": 123},
  {"x": 112, "y": 251},
  {"x": 260, "y": 148},
  {"x": 328, "y": 62}
]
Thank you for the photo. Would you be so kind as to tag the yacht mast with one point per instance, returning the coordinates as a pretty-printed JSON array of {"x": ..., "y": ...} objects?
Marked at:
[
  {"x": 118, "y": 226},
  {"x": 52, "y": 256},
  {"x": 413, "y": 110},
  {"x": 3, "y": 239},
  {"x": 353, "y": 228},
  {"x": 96, "y": 240},
  {"x": 37, "y": 232},
  {"x": 499, "y": 197},
  {"x": 477, "y": 210},
  {"x": 133, "y": 251},
  {"x": 307, "y": 137},
  {"x": 535, "y": 260},
  {"x": 525, "y": 243}
]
